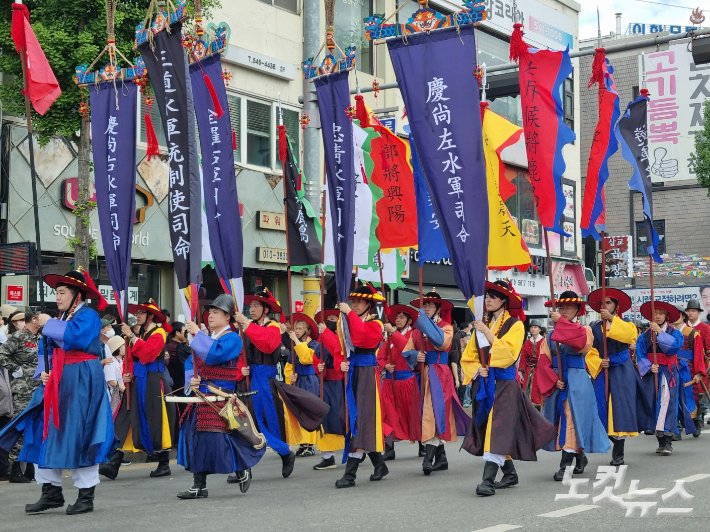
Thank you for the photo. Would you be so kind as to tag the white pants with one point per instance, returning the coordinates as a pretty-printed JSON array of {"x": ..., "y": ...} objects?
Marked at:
[
  {"x": 435, "y": 441},
  {"x": 496, "y": 458},
  {"x": 665, "y": 401},
  {"x": 327, "y": 454},
  {"x": 84, "y": 477},
  {"x": 357, "y": 454}
]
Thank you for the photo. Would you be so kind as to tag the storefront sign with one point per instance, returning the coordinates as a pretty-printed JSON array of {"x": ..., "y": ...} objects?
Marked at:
[
  {"x": 262, "y": 63},
  {"x": 15, "y": 293},
  {"x": 390, "y": 123},
  {"x": 69, "y": 231},
  {"x": 619, "y": 260},
  {"x": 107, "y": 292},
  {"x": 675, "y": 296},
  {"x": 636, "y": 28},
  {"x": 278, "y": 256},
  {"x": 299, "y": 306},
  {"x": 70, "y": 195},
  {"x": 568, "y": 276},
  {"x": 271, "y": 220}
]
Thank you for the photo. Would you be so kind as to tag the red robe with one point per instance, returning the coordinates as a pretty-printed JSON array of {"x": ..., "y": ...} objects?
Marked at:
[
  {"x": 697, "y": 365},
  {"x": 528, "y": 364},
  {"x": 703, "y": 331}
]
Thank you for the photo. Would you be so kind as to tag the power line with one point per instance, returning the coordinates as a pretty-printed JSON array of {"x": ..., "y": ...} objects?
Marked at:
[{"x": 668, "y": 5}]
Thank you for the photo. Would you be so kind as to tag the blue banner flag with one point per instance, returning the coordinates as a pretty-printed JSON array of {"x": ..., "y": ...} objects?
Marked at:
[
  {"x": 632, "y": 132},
  {"x": 219, "y": 181},
  {"x": 440, "y": 92},
  {"x": 113, "y": 123},
  {"x": 431, "y": 243},
  {"x": 333, "y": 99}
]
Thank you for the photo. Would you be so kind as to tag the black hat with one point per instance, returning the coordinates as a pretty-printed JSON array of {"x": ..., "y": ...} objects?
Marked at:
[
  {"x": 505, "y": 289},
  {"x": 366, "y": 292},
  {"x": 694, "y": 304},
  {"x": 682, "y": 311},
  {"x": 225, "y": 303}
]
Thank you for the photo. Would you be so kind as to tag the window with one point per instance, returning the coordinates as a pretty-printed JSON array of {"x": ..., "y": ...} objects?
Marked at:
[
  {"x": 288, "y": 5},
  {"x": 259, "y": 133},
  {"x": 660, "y": 227},
  {"x": 235, "y": 114},
  {"x": 509, "y": 107},
  {"x": 567, "y": 93},
  {"x": 522, "y": 208},
  {"x": 350, "y": 30}
]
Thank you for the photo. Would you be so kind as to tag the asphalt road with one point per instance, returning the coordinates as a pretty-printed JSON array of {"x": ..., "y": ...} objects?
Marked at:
[{"x": 404, "y": 500}]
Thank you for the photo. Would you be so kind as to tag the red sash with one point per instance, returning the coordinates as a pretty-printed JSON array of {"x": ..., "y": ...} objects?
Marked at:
[
  {"x": 666, "y": 360},
  {"x": 51, "y": 390}
]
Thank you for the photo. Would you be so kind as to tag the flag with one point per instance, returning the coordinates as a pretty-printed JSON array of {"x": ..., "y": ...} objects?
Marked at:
[
  {"x": 542, "y": 74},
  {"x": 604, "y": 145},
  {"x": 219, "y": 182},
  {"x": 167, "y": 67},
  {"x": 506, "y": 247},
  {"x": 431, "y": 243},
  {"x": 440, "y": 91},
  {"x": 394, "y": 264},
  {"x": 397, "y": 209},
  {"x": 333, "y": 93},
  {"x": 41, "y": 85},
  {"x": 304, "y": 228},
  {"x": 632, "y": 132},
  {"x": 114, "y": 117}
]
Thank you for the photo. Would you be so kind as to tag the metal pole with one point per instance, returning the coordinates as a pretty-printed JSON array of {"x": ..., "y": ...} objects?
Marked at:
[{"x": 311, "y": 142}]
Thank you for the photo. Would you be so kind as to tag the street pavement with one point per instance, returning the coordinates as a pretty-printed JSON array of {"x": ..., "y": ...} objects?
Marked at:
[{"x": 404, "y": 500}]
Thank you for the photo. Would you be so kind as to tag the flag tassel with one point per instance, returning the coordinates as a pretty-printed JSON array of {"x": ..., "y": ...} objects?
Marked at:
[
  {"x": 484, "y": 106},
  {"x": 518, "y": 48},
  {"x": 213, "y": 94},
  {"x": 234, "y": 140},
  {"x": 153, "y": 147},
  {"x": 283, "y": 143},
  {"x": 361, "y": 111},
  {"x": 598, "y": 68}
]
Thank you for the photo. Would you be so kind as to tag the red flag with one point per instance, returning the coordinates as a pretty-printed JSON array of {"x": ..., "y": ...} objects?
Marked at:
[{"x": 42, "y": 87}]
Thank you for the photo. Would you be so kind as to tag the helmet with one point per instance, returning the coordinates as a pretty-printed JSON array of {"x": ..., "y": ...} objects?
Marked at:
[{"x": 223, "y": 302}]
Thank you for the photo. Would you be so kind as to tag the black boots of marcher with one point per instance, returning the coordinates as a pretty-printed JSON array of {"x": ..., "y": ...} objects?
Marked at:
[
  {"x": 488, "y": 486},
  {"x": 617, "y": 452},
  {"x": 163, "y": 469},
  {"x": 422, "y": 450},
  {"x": 198, "y": 489},
  {"x": 51, "y": 498},
  {"x": 243, "y": 478},
  {"x": 440, "y": 461},
  {"x": 510, "y": 476},
  {"x": 580, "y": 463},
  {"x": 110, "y": 468},
  {"x": 348, "y": 479},
  {"x": 380, "y": 466},
  {"x": 84, "y": 502},
  {"x": 287, "y": 460},
  {"x": 698, "y": 422},
  {"x": 428, "y": 463},
  {"x": 389, "y": 452},
  {"x": 434, "y": 459},
  {"x": 16, "y": 476},
  {"x": 567, "y": 460}
]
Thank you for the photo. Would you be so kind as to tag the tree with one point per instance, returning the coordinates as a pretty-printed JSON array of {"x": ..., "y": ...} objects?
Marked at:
[
  {"x": 71, "y": 32},
  {"x": 701, "y": 157}
]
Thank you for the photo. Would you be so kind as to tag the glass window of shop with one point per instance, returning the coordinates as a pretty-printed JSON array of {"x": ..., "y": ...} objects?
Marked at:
[
  {"x": 522, "y": 207},
  {"x": 509, "y": 107},
  {"x": 350, "y": 30}
]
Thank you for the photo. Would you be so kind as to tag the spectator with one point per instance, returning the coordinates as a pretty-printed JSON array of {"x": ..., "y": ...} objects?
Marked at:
[
  {"x": 176, "y": 353},
  {"x": 113, "y": 371},
  {"x": 16, "y": 322},
  {"x": 107, "y": 332}
]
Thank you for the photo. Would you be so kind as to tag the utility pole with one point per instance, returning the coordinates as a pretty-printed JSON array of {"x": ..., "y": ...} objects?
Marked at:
[{"x": 311, "y": 135}]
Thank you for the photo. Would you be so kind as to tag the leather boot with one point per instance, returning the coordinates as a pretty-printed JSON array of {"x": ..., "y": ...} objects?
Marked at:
[
  {"x": 243, "y": 478},
  {"x": 348, "y": 479},
  {"x": 580, "y": 463},
  {"x": 381, "y": 469},
  {"x": 427, "y": 465},
  {"x": 84, "y": 502},
  {"x": 661, "y": 443},
  {"x": 488, "y": 486},
  {"x": 163, "y": 469},
  {"x": 617, "y": 453},
  {"x": 422, "y": 450},
  {"x": 698, "y": 422},
  {"x": 110, "y": 468},
  {"x": 510, "y": 476},
  {"x": 30, "y": 471},
  {"x": 287, "y": 460},
  {"x": 567, "y": 459},
  {"x": 51, "y": 498},
  {"x": 667, "y": 445},
  {"x": 16, "y": 475},
  {"x": 198, "y": 489},
  {"x": 440, "y": 461},
  {"x": 389, "y": 452}
]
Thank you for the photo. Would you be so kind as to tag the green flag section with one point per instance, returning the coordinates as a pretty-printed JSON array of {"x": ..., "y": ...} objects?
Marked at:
[{"x": 394, "y": 264}]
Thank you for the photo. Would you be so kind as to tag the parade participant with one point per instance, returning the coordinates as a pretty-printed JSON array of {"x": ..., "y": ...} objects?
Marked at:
[
  {"x": 18, "y": 355},
  {"x": 442, "y": 416},
  {"x": 78, "y": 432},
  {"x": 207, "y": 445},
  {"x": 625, "y": 411},
  {"x": 276, "y": 406},
  {"x": 365, "y": 433},
  {"x": 668, "y": 402},
  {"x": 397, "y": 403},
  {"x": 694, "y": 310},
  {"x": 333, "y": 437},
  {"x": 146, "y": 427},
  {"x": 528, "y": 362},
  {"x": 691, "y": 367},
  {"x": 303, "y": 333},
  {"x": 506, "y": 426},
  {"x": 570, "y": 402}
]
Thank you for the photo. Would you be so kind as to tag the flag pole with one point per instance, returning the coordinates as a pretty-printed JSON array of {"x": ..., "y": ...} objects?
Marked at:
[
  {"x": 554, "y": 302},
  {"x": 603, "y": 305},
  {"x": 387, "y": 320},
  {"x": 322, "y": 288},
  {"x": 653, "y": 316}
]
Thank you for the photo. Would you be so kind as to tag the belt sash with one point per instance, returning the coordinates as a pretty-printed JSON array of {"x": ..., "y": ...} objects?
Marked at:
[
  {"x": 403, "y": 374},
  {"x": 487, "y": 390},
  {"x": 333, "y": 375},
  {"x": 264, "y": 407}
]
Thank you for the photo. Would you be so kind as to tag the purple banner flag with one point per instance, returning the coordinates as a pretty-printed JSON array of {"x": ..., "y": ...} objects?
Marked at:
[
  {"x": 333, "y": 99},
  {"x": 114, "y": 115},
  {"x": 440, "y": 92},
  {"x": 167, "y": 68},
  {"x": 219, "y": 182}
]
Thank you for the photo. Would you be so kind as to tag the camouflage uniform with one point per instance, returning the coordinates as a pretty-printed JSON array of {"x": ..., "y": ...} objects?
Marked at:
[{"x": 19, "y": 356}]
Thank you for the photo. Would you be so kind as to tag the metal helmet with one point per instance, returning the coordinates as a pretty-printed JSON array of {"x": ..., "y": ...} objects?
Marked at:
[
  {"x": 223, "y": 302},
  {"x": 536, "y": 323},
  {"x": 694, "y": 304}
]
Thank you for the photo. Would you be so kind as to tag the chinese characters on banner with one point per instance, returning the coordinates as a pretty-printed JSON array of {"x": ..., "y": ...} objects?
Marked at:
[
  {"x": 619, "y": 260},
  {"x": 113, "y": 123},
  {"x": 678, "y": 87}
]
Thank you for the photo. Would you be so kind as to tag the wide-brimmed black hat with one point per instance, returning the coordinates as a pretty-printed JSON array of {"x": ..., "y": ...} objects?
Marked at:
[
  {"x": 73, "y": 278},
  {"x": 300, "y": 316},
  {"x": 694, "y": 304},
  {"x": 266, "y": 297},
  {"x": 366, "y": 292}
]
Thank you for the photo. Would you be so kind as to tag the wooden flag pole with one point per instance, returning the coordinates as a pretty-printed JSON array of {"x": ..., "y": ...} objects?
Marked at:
[
  {"x": 322, "y": 286},
  {"x": 554, "y": 302},
  {"x": 603, "y": 306},
  {"x": 387, "y": 320},
  {"x": 652, "y": 320}
]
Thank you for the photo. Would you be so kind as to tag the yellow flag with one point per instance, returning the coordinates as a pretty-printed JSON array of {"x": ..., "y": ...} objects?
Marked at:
[{"x": 506, "y": 247}]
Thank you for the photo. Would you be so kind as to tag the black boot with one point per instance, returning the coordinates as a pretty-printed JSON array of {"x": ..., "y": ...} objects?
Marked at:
[
  {"x": 198, "y": 489},
  {"x": 661, "y": 443},
  {"x": 163, "y": 469},
  {"x": 51, "y": 498},
  {"x": 422, "y": 450},
  {"x": 287, "y": 460},
  {"x": 427, "y": 464},
  {"x": 325, "y": 463},
  {"x": 488, "y": 486},
  {"x": 84, "y": 502},
  {"x": 348, "y": 479},
  {"x": 510, "y": 476},
  {"x": 243, "y": 478},
  {"x": 440, "y": 461},
  {"x": 380, "y": 466},
  {"x": 698, "y": 422},
  {"x": 389, "y": 452},
  {"x": 617, "y": 453},
  {"x": 580, "y": 464},
  {"x": 667, "y": 445},
  {"x": 110, "y": 468},
  {"x": 16, "y": 475},
  {"x": 30, "y": 471},
  {"x": 567, "y": 459}
]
